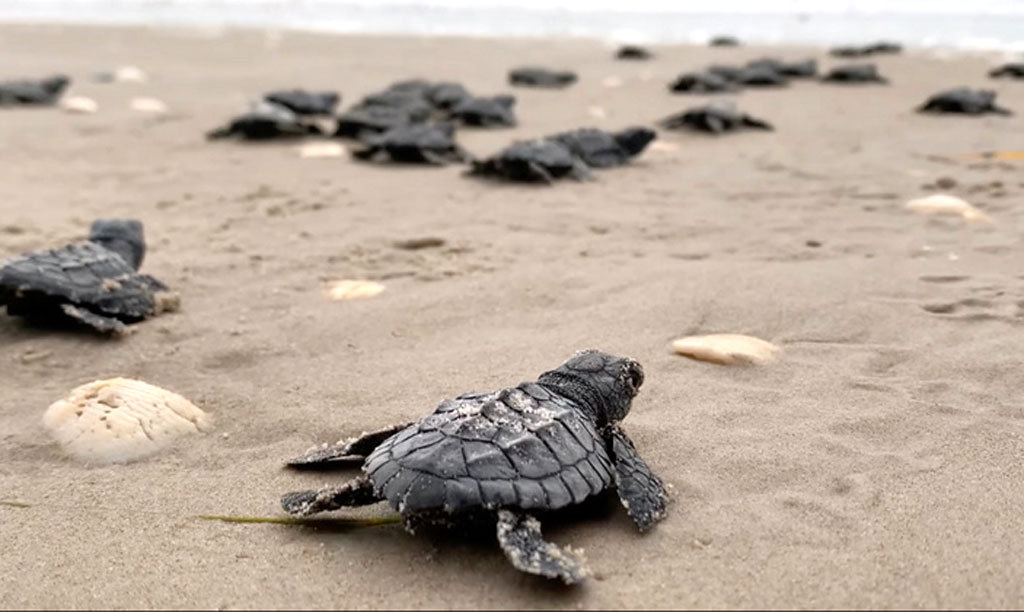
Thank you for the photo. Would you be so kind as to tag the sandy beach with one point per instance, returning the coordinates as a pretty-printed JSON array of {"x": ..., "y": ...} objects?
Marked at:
[{"x": 877, "y": 464}]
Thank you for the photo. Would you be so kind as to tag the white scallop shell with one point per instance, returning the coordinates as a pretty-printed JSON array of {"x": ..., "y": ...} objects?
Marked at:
[
  {"x": 727, "y": 349},
  {"x": 148, "y": 105},
  {"x": 351, "y": 289},
  {"x": 943, "y": 204},
  {"x": 120, "y": 420},
  {"x": 321, "y": 149},
  {"x": 79, "y": 105}
]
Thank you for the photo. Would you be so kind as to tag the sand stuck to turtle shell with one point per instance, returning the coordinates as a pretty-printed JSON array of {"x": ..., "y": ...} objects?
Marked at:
[
  {"x": 727, "y": 349},
  {"x": 121, "y": 420}
]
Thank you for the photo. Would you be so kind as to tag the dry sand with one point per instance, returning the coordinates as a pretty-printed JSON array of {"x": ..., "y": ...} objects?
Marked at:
[{"x": 879, "y": 462}]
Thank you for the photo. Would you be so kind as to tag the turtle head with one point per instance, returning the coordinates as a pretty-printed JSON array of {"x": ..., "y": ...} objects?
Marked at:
[
  {"x": 635, "y": 139},
  {"x": 122, "y": 236},
  {"x": 603, "y": 384}
]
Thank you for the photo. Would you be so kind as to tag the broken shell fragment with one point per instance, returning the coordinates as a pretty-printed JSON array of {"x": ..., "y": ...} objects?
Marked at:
[
  {"x": 121, "y": 420},
  {"x": 612, "y": 82},
  {"x": 314, "y": 150},
  {"x": 148, "y": 105},
  {"x": 130, "y": 74},
  {"x": 353, "y": 289},
  {"x": 727, "y": 349},
  {"x": 79, "y": 105},
  {"x": 942, "y": 204}
]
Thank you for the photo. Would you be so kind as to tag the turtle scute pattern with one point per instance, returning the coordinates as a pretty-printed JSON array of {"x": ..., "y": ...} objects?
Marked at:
[{"x": 523, "y": 448}]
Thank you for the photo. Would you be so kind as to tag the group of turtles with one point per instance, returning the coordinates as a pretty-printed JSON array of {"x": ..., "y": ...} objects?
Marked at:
[{"x": 496, "y": 459}]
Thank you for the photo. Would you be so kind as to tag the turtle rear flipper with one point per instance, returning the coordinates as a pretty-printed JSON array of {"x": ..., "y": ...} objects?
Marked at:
[
  {"x": 999, "y": 110},
  {"x": 520, "y": 538},
  {"x": 641, "y": 491},
  {"x": 753, "y": 122},
  {"x": 358, "y": 492},
  {"x": 108, "y": 325},
  {"x": 353, "y": 450}
]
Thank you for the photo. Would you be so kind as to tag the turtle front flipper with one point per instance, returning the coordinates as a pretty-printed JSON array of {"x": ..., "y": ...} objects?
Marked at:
[
  {"x": 641, "y": 491},
  {"x": 352, "y": 450},
  {"x": 358, "y": 492},
  {"x": 107, "y": 325},
  {"x": 520, "y": 539}
]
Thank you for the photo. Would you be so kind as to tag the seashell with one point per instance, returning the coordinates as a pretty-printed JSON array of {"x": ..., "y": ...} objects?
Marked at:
[
  {"x": 612, "y": 82},
  {"x": 314, "y": 150},
  {"x": 79, "y": 105},
  {"x": 148, "y": 105},
  {"x": 727, "y": 349},
  {"x": 597, "y": 112},
  {"x": 353, "y": 289},
  {"x": 130, "y": 74},
  {"x": 121, "y": 420},
  {"x": 943, "y": 204},
  {"x": 663, "y": 147}
]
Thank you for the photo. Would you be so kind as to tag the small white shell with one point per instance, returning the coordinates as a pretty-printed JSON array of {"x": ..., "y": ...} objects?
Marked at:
[
  {"x": 120, "y": 420},
  {"x": 148, "y": 105},
  {"x": 597, "y": 112},
  {"x": 314, "y": 150},
  {"x": 727, "y": 349},
  {"x": 130, "y": 74},
  {"x": 612, "y": 82},
  {"x": 352, "y": 289},
  {"x": 79, "y": 105},
  {"x": 943, "y": 204}
]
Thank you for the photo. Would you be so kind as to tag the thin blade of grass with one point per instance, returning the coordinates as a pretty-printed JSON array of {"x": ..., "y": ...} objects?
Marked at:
[{"x": 289, "y": 520}]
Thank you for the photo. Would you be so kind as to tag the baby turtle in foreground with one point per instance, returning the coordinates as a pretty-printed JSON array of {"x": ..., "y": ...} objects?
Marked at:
[
  {"x": 701, "y": 82},
  {"x": 302, "y": 102},
  {"x": 265, "y": 121},
  {"x": 854, "y": 73},
  {"x": 422, "y": 143},
  {"x": 714, "y": 118},
  {"x": 33, "y": 91},
  {"x": 541, "y": 77},
  {"x": 963, "y": 100},
  {"x": 504, "y": 457},
  {"x": 96, "y": 282},
  {"x": 601, "y": 149},
  {"x": 532, "y": 161},
  {"x": 807, "y": 68},
  {"x": 724, "y": 41},
  {"x": 1013, "y": 70},
  {"x": 633, "y": 52},
  {"x": 486, "y": 112}
]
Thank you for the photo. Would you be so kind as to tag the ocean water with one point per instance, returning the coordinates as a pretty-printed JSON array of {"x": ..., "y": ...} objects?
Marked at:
[{"x": 959, "y": 24}]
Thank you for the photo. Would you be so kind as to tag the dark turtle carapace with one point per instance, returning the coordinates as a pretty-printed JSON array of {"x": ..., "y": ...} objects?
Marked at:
[
  {"x": 601, "y": 149},
  {"x": 724, "y": 41},
  {"x": 633, "y": 52},
  {"x": 701, "y": 82},
  {"x": 302, "y": 102},
  {"x": 266, "y": 121},
  {"x": 418, "y": 143},
  {"x": 495, "y": 111},
  {"x": 504, "y": 458},
  {"x": 854, "y": 73},
  {"x": 806, "y": 68},
  {"x": 95, "y": 282},
  {"x": 1013, "y": 70},
  {"x": 540, "y": 160},
  {"x": 530, "y": 76},
  {"x": 34, "y": 92},
  {"x": 714, "y": 118},
  {"x": 963, "y": 100}
]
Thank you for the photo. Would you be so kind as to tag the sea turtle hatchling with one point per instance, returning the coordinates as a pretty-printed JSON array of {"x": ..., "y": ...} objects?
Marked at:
[
  {"x": 33, "y": 91},
  {"x": 505, "y": 457},
  {"x": 715, "y": 118},
  {"x": 540, "y": 160},
  {"x": 265, "y": 121},
  {"x": 633, "y": 52},
  {"x": 807, "y": 68},
  {"x": 601, "y": 149},
  {"x": 531, "y": 76},
  {"x": 701, "y": 82},
  {"x": 963, "y": 100},
  {"x": 95, "y": 282},
  {"x": 1013, "y": 70},
  {"x": 302, "y": 102},
  {"x": 495, "y": 111},
  {"x": 423, "y": 143},
  {"x": 854, "y": 73}
]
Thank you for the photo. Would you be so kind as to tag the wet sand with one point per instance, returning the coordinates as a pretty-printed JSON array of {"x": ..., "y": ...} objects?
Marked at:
[{"x": 878, "y": 463}]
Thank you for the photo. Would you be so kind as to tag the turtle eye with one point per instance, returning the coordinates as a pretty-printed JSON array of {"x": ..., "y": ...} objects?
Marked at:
[{"x": 636, "y": 375}]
